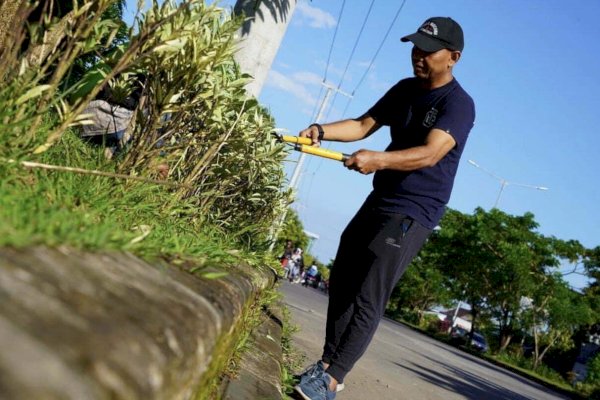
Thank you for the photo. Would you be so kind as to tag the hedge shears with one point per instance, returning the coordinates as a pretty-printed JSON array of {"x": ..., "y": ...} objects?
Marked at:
[{"x": 304, "y": 145}]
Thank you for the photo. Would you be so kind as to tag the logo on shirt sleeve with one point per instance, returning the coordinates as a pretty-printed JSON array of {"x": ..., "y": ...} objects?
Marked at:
[{"x": 430, "y": 117}]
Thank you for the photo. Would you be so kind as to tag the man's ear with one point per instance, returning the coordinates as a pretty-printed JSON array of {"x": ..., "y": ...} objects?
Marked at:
[{"x": 454, "y": 57}]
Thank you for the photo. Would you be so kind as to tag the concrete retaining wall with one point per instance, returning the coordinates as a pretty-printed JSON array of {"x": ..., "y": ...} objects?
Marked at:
[{"x": 75, "y": 325}]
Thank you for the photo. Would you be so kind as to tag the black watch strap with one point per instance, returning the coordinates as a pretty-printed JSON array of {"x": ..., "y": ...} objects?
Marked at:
[{"x": 320, "y": 129}]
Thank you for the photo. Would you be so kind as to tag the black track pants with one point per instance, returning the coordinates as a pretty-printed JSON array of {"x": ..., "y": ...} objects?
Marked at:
[{"x": 374, "y": 251}]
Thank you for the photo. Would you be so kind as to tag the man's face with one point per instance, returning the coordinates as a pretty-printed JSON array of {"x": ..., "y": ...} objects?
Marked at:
[{"x": 430, "y": 66}]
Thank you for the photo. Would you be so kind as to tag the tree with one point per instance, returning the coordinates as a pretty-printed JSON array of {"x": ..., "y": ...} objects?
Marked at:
[
  {"x": 464, "y": 260},
  {"x": 592, "y": 292},
  {"x": 556, "y": 312},
  {"x": 493, "y": 260},
  {"x": 292, "y": 230}
]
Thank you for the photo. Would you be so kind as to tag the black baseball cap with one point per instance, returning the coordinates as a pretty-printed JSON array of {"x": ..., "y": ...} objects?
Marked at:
[{"x": 438, "y": 33}]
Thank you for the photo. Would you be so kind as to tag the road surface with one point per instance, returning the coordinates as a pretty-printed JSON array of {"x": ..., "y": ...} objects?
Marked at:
[{"x": 403, "y": 364}]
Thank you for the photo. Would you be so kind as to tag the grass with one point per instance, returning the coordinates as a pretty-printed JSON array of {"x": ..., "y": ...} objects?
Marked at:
[
  {"x": 293, "y": 359},
  {"x": 542, "y": 374},
  {"x": 63, "y": 208}
]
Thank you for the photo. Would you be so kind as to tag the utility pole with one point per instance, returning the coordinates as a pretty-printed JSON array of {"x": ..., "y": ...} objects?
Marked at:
[
  {"x": 260, "y": 37},
  {"x": 295, "y": 180}
]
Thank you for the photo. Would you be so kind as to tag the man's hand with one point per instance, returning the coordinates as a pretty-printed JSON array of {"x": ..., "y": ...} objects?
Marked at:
[
  {"x": 313, "y": 133},
  {"x": 365, "y": 161}
]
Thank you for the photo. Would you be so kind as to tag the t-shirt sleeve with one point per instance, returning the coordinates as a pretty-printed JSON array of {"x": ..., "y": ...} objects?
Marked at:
[{"x": 457, "y": 117}]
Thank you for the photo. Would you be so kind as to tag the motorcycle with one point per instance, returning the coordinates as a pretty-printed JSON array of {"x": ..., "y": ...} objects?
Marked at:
[{"x": 311, "y": 281}]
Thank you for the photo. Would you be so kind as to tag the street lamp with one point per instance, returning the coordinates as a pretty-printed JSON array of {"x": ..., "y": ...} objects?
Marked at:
[{"x": 504, "y": 182}]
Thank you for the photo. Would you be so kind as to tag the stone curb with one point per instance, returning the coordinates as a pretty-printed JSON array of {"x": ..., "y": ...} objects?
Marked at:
[
  {"x": 259, "y": 375},
  {"x": 77, "y": 325}
]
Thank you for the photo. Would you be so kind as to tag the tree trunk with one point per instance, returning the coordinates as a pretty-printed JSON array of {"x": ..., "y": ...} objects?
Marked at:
[
  {"x": 13, "y": 15},
  {"x": 474, "y": 313},
  {"x": 536, "y": 348},
  {"x": 505, "y": 339},
  {"x": 538, "y": 358}
]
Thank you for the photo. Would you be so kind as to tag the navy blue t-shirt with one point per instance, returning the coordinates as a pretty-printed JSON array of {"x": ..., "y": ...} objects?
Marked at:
[{"x": 411, "y": 112}]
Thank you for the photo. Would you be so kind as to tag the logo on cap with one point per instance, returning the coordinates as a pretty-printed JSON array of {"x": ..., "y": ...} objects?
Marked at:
[{"x": 429, "y": 28}]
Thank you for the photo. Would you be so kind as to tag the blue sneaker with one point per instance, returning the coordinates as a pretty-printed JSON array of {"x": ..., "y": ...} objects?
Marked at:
[
  {"x": 313, "y": 371},
  {"x": 316, "y": 388}
]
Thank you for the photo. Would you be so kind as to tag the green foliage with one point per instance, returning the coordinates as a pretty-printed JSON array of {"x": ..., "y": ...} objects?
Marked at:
[
  {"x": 593, "y": 371},
  {"x": 592, "y": 267},
  {"x": 35, "y": 60},
  {"x": 495, "y": 260},
  {"x": 555, "y": 314},
  {"x": 52, "y": 208},
  {"x": 292, "y": 230},
  {"x": 524, "y": 363},
  {"x": 292, "y": 357},
  {"x": 194, "y": 116},
  {"x": 199, "y": 121}
]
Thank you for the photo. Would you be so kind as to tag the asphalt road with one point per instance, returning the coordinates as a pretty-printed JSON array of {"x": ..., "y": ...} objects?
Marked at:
[{"x": 403, "y": 364}]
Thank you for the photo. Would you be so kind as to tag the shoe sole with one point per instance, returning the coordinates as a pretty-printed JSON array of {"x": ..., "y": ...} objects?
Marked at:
[
  {"x": 301, "y": 393},
  {"x": 339, "y": 388},
  {"x": 297, "y": 388}
]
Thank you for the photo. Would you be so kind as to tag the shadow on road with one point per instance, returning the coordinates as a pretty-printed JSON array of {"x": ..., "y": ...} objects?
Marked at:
[
  {"x": 467, "y": 384},
  {"x": 466, "y": 356},
  {"x": 483, "y": 363}
]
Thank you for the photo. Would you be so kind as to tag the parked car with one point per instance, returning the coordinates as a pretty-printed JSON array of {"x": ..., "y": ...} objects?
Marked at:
[{"x": 460, "y": 336}]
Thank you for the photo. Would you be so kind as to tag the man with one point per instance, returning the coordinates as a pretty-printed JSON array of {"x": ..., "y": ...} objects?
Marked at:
[{"x": 430, "y": 117}]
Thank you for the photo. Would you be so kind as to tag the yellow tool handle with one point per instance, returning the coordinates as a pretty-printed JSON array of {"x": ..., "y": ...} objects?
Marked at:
[
  {"x": 296, "y": 139},
  {"x": 317, "y": 151}
]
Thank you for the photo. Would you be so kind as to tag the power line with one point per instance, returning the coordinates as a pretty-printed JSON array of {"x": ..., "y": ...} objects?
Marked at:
[
  {"x": 346, "y": 108},
  {"x": 313, "y": 114},
  {"x": 362, "y": 28},
  {"x": 333, "y": 41},
  {"x": 374, "y": 57},
  {"x": 380, "y": 46}
]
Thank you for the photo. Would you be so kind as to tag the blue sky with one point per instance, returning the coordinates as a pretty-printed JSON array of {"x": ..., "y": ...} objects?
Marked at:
[{"x": 532, "y": 68}]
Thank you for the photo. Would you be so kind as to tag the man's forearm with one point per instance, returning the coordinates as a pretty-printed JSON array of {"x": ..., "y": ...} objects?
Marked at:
[
  {"x": 348, "y": 130},
  {"x": 437, "y": 145},
  {"x": 407, "y": 160}
]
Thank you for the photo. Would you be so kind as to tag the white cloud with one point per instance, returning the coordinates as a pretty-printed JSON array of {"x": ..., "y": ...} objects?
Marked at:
[
  {"x": 315, "y": 17},
  {"x": 307, "y": 77},
  {"x": 290, "y": 85}
]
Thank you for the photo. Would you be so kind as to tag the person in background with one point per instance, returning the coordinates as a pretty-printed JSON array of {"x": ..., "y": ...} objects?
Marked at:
[
  {"x": 297, "y": 265},
  {"x": 310, "y": 276},
  {"x": 285, "y": 258}
]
